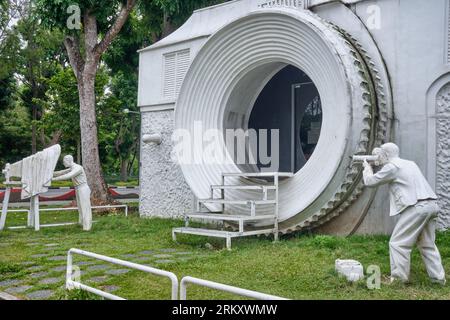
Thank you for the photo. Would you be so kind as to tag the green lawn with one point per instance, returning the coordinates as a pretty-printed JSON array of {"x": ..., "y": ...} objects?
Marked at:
[{"x": 300, "y": 267}]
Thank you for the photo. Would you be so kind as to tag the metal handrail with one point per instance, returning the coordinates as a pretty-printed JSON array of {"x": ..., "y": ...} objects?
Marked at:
[
  {"x": 61, "y": 209},
  {"x": 225, "y": 288},
  {"x": 71, "y": 284},
  {"x": 94, "y": 207}
]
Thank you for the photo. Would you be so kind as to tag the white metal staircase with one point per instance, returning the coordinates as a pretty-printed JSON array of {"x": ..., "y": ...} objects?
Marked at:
[{"x": 267, "y": 198}]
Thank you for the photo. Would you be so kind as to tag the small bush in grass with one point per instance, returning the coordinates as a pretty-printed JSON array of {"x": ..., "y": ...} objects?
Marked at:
[
  {"x": 9, "y": 268},
  {"x": 326, "y": 242}
]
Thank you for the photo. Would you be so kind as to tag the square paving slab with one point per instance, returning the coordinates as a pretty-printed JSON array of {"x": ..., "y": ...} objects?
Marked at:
[
  {"x": 40, "y": 295},
  {"x": 163, "y": 256},
  {"x": 51, "y": 280},
  {"x": 39, "y": 275},
  {"x": 118, "y": 271},
  {"x": 10, "y": 283},
  {"x": 20, "y": 289},
  {"x": 58, "y": 258}
]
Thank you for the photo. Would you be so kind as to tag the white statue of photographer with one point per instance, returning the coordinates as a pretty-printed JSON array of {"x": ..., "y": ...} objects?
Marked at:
[
  {"x": 76, "y": 173},
  {"x": 415, "y": 202}
]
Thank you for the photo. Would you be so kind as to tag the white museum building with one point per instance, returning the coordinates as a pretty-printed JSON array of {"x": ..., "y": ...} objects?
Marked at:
[{"x": 329, "y": 79}]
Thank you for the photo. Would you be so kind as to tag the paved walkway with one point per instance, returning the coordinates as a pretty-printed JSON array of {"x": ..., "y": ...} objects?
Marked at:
[{"x": 40, "y": 281}]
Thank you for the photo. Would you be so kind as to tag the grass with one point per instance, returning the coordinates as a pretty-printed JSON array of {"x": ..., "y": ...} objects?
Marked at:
[{"x": 298, "y": 267}]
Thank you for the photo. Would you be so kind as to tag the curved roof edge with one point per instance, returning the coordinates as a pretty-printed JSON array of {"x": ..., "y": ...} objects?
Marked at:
[{"x": 206, "y": 21}]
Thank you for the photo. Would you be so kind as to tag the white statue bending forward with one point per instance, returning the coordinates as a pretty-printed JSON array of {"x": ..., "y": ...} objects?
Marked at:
[
  {"x": 76, "y": 173},
  {"x": 415, "y": 202}
]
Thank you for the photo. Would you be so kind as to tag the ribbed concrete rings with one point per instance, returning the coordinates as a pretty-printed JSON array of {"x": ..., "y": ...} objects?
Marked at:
[{"x": 233, "y": 67}]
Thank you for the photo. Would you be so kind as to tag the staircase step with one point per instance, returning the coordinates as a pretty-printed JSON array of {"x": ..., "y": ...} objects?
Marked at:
[
  {"x": 219, "y": 233},
  {"x": 241, "y": 202},
  {"x": 255, "y": 187},
  {"x": 260, "y": 174},
  {"x": 224, "y": 217}
]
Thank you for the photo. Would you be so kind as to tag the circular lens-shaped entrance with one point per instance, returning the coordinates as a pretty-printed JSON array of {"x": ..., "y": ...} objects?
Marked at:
[
  {"x": 290, "y": 104},
  {"x": 229, "y": 75}
]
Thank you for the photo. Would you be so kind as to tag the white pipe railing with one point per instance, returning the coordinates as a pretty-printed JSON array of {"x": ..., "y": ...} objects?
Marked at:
[
  {"x": 124, "y": 206},
  {"x": 225, "y": 288},
  {"x": 71, "y": 284}
]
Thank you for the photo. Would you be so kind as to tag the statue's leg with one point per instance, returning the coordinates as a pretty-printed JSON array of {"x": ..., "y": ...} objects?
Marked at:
[
  {"x": 430, "y": 253},
  {"x": 405, "y": 236},
  {"x": 80, "y": 213},
  {"x": 85, "y": 207}
]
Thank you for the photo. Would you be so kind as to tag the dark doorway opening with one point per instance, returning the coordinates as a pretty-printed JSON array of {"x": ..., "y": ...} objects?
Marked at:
[{"x": 290, "y": 102}]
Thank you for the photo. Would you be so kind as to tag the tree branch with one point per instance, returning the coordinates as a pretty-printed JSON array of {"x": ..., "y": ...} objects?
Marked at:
[
  {"x": 73, "y": 50},
  {"x": 115, "y": 28}
]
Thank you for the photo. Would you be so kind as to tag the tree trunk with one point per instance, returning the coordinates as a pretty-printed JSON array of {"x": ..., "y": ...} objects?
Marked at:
[
  {"x": 79, "y": 151},
  {"x": 124, "y": 170},
  {"x": 85, "y": 70},
  {"x": 89, "y": 141}
]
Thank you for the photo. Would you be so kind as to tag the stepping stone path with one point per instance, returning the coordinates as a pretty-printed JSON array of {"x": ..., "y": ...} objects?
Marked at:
[
  {"x": 110, "y": 289},
  {"x": 33, "y": 244},
  {"x": 162, "y": 256},
  {"x": 40, "y": 295},
  {"x": 50, "y": 280},
  {"x": 98, "y": 279},
  {"x": 51, "y": 245},
  {"x": 168, "y": 250},
  {"x": 10, "y": 283},
  {"x": 147, "y": 252},
  {"x": 98, "y": 267},
  {"x": 183, "y": 253},
  {"x": 58, "y": 258},
  {"x": 118, "y": 271},
  {"x": 33, "y": 269},
  {"x": 59, "y": 269},
  {"x": 20, "y": 289},
  {"x": 41, "y": 255},
  {"x": 84, "y": 263},
  {"x": 39, "y": 275},
  {"x": 142, "y": 259},
  {"x": 28, "y": 263}
]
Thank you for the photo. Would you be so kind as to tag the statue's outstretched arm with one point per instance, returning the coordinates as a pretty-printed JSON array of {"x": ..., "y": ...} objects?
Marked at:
[
  {"x": 60, "y": 173},
  {"x": 384, "y": 176},
  {"x": 70, "y": 175}
]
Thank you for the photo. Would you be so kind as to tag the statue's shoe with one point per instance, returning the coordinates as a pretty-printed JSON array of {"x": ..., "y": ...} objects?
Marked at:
[{"x": 441, "y": 282}]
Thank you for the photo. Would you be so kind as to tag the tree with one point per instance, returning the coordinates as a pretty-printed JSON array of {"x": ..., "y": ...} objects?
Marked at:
[
  {"x": 39, "y": 56},
  {"x": 14, "y": 122},
  {"x": 85, "y": 50},
  {"x": 62, "y": 111}
]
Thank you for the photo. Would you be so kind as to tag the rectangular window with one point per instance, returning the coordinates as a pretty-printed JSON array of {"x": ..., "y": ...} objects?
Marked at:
[{"x": 176, "y": 65}]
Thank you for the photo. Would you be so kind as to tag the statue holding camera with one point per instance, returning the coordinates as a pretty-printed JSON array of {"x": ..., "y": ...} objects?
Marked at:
[{"x": 415, "y": 203}]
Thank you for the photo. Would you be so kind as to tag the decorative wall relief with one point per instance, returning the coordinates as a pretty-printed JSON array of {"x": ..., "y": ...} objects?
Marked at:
[{"x": 443, "y": 155}]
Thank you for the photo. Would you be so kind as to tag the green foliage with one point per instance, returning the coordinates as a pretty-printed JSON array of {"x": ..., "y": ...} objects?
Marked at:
[
  {"x": 46, "y": 95},
  {"x": 14, "y": 134},
  {"x": 54, "y": 12},
  {"x": 6, "y": 267},
  {"x": 326, "y": 242}
]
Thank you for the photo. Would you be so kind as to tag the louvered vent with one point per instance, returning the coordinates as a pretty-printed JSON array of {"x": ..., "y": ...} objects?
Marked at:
[{"x": 176, "y": 65}]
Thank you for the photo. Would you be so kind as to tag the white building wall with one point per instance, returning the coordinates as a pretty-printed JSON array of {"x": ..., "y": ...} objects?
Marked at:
[{"x": 413, "y": 39}]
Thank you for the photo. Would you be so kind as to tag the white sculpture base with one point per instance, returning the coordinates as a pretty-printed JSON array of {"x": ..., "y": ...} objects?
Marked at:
[{"x": 351, "y": 269}]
